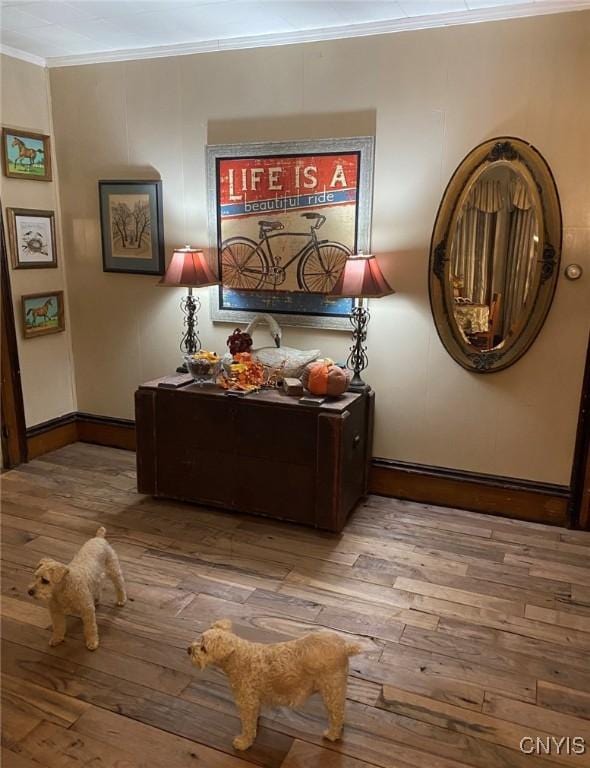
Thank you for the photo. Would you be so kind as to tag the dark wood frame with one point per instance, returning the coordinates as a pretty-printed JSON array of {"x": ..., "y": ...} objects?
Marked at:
[
  {"x": 61, "y": 325},
  {"x": 14, "y": 445},
  {"x": 580, "y": 483},
  {"x": 11, "y": 214},
  {"x": 27, "y": 135},
  {"x": 159, "y": 256}
]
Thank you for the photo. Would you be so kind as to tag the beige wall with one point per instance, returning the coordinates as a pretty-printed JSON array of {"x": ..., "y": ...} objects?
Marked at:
[
  {"x": 46, "y": 362},
  {"x": 431, "y": 96}
]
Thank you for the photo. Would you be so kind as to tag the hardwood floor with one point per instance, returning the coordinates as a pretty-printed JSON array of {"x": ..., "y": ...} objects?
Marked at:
[{"x": 476, "y": 630}]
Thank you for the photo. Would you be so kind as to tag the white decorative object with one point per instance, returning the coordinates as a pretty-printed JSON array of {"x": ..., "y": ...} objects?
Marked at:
[{"x": 291, "y": 361}]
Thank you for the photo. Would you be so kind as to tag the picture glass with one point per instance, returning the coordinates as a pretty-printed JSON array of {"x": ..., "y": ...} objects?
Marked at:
[
  {"x": 34, "y": 240},
  {"x": 132, "y": 230},
  {"x": 41, "y": 313},
  {"x": 25, "y": 155},
  {"x": 285, "y": 218},
  {"x": 130, "y": 226}
]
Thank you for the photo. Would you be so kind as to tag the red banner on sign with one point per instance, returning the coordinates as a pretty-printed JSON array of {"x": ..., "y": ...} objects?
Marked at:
[{"x": 261, "y": 178}]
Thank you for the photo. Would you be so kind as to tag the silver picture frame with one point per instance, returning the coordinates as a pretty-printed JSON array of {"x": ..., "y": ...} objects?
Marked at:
[{"x": 365, "y": 145}]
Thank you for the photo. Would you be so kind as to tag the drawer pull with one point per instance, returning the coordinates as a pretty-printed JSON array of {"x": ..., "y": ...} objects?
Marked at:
[{"x": 356, "y": 440}]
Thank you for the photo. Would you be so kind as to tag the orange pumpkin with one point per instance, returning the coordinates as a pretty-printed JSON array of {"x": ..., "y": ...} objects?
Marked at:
[{"x": 325, "y": 378}]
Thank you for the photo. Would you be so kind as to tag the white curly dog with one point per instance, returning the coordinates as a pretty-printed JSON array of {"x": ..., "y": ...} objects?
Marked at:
[
  {"x": 280, "y": 674},
  {"x": 74, "y": 589}
]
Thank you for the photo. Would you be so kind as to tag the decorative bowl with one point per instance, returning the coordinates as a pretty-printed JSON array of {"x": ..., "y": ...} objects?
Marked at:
[{"x": 204, "y": 368}]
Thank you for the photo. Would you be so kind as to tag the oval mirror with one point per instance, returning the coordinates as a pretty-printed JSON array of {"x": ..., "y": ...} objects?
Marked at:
[{"x": 494, "y": 255}]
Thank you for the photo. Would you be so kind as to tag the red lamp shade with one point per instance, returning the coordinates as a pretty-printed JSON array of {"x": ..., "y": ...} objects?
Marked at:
[
  {"x": 188, "y": 268},
  {"x": 361, "y": 278}
]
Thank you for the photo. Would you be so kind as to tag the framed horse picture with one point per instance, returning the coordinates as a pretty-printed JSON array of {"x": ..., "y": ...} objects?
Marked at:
[
  {"x": 32, "y": 238},
  {"x": 132, "y": 227},
  {"x": 26, "y": 155},
  {"x": 43, "y": 313}
]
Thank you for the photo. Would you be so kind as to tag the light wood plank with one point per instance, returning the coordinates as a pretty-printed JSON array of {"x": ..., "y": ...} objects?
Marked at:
[
  {"x": 563, "y": 699},
  {"x": 41, "y": 703},
  {"x": 558, "y": 618},
  {"x": 151, "y": 746},
  {"x": 303, "y": 755},
  {"x": 480, "y": 725},
  {"x": 536, "y": 718}
]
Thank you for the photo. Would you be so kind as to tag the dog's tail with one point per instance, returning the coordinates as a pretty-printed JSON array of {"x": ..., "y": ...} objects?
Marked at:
[
  {"x": 353, "y": 649},
  {"x": 101, "y": 533}
]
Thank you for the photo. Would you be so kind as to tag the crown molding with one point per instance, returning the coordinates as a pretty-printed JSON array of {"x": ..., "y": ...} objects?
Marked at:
[
  {"x": 16, "y": 53},
  {"x": 407, "y": 24}
]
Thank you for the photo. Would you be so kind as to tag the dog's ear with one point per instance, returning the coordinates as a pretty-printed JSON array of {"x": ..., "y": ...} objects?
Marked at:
[
  {"x": 56, "y": 572},
  {"x": 222, "y": 624},
  {"x": 218, "y": 646}
]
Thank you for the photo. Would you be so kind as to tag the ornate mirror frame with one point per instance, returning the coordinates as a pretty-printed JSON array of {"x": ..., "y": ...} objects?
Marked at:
[{"x": 527, "y": 161}]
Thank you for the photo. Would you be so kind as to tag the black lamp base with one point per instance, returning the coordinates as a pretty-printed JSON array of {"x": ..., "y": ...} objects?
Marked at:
[
  {"x": 357, "y": 359},
  {"x": 358, "y": 385},
  {"x": 190, "y": 342}
]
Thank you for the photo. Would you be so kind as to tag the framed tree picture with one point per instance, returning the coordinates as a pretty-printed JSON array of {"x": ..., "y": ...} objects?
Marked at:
[
  {"x": 132, "y": 227},
  {"x": 32, "y": 238},
  {"x": 26, "y": 155},
  {"x": 283, "y": 219},
  {"x": 43, "y": 313}
]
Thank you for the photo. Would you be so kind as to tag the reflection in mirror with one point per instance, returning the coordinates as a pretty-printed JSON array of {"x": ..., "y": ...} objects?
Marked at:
[{"x": 493, "y": 256}]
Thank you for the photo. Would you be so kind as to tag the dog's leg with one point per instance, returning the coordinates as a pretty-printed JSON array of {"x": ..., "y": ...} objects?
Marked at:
[
  {"x": 333, "y": 692},
  {"x": 88, "y": 615},
  {"x": 115, "y": 574},
  {"x": 58, "y": 625},
  {"x": 249, "y": 711}
]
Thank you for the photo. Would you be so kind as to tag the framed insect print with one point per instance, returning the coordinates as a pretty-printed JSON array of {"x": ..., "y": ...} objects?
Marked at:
[
  {"x": 26, "y": 155},
  {"x": 283, "y": 219},
  {"x": 43, "y": 313},
  {"x": 32, "y": 238},
  {"x": 132, "y": 227}
]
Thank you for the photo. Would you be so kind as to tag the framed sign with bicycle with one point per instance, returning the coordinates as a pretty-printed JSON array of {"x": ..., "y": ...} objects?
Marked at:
[{"x": 283, "y": 218}]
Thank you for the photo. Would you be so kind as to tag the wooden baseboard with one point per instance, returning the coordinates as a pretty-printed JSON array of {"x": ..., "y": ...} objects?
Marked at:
[
  {"x": 51, "y": 435},
  {"x": 103, "y": 430},
  {"x": 522, "y": 499},
  {"x": 508, "y": 497},
  {"x": 84, "y": 427}
]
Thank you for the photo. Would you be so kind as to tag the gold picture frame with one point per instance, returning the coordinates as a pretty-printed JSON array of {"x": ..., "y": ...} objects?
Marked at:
[
  {"x": 26, "y": 155},
  {"x": 42, "y": 313}
]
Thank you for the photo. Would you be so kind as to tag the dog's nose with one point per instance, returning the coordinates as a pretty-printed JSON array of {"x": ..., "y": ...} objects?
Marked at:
[
  {"x": 31, "y": 592},
  {"x": 189, "y": 650}
]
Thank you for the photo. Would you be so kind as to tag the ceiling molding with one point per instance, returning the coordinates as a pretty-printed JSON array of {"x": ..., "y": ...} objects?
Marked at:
[
  {"x": 16, "y": 53},
  {"x": 494, "y": 13}
]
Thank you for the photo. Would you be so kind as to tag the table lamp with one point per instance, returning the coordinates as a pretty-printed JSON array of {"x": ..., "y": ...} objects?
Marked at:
[
  {"x": 189, "y": 268},
  {"x": 360, "y": 279}
]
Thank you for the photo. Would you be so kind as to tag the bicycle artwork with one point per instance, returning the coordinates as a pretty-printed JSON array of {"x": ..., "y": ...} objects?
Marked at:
[
  {"x": 250, "y": 265},
  {"x": 285, "y": 217}
]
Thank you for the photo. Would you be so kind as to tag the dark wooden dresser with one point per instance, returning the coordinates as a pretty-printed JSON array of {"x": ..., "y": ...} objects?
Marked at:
[{"x": 264, "y": 453}]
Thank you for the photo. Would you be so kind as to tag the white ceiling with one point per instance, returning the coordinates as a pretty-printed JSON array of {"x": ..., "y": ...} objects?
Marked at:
[{"x": 62, "y": 32}]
